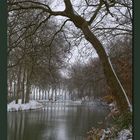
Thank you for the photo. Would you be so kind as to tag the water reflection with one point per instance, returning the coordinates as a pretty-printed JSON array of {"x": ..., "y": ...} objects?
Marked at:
[{"x": 53, "y": 123}]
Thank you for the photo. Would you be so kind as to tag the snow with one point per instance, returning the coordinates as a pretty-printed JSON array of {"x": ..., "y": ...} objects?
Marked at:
[
  {"x": 95, "y": 103},
  {"x": 33, "y": 104},
  {"x": 16, "y": 107},
  {"x": 70, "y": 101},
  {"x": 78, "y": 102},
  {"x": 108, "y": 134},
  {"x": 125, "y": 134}
]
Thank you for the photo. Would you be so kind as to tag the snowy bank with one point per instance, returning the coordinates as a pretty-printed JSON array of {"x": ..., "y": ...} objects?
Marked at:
[
  {"x": 108, "y": 134},
  {"x": 16, "y": 107},
  {"x": 125, "y": 134},
  {"x": 64, "y": 102}
]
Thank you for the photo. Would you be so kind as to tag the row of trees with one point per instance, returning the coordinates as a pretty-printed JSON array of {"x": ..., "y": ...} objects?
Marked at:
[{"x": 33, "y": 59}]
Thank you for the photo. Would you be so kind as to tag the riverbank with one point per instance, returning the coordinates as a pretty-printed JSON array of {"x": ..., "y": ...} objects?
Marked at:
[
  {"x": 108, "y": 134},
  {"x": 119, "y": 126},
  {"x": 19, "y": 107},
  {"x": 33, "y": 104}
]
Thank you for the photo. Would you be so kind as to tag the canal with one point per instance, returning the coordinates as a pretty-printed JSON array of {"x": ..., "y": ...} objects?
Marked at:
[{"x": 54, "y": 122}]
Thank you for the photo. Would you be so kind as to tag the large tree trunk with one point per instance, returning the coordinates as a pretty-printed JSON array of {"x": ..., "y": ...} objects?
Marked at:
[{"x": 110, "y": 76}]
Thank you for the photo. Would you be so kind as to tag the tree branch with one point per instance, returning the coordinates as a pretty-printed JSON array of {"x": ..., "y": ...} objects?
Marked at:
[
  {"x": 58, "y": 31},
  {"x": 68, "y": 6},
  {"x": 92, "y": 5},
  {"x": 25, "y": 5},
  {"x": 53, "y": 40},
  {"x": 114, "y": 28},
  {"x": 95, "y": 13}
]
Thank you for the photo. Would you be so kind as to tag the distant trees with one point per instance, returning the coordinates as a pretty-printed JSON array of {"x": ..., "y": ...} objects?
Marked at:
[{"x": 87, "y": 80}]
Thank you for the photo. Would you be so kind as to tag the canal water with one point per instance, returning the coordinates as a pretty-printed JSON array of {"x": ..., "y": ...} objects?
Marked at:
[{"x": 54, "y": 123}]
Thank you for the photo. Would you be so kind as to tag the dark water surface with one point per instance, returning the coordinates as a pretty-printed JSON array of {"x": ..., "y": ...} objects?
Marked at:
[{"x": 54, "y": 123}]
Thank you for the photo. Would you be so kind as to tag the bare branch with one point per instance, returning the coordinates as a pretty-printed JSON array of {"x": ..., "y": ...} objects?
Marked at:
[
  {"x": 13, "y": 6},
  {"x": 18, "y": 61},
  {"x": 95, "y": 13},
  {"x": 115, "y": 28},
  {"x": 26, "y": 36},
  {"x": 53, "y": 40},
  {"x": 93, "y": 5},
  {"x": 58, "y": 31}
]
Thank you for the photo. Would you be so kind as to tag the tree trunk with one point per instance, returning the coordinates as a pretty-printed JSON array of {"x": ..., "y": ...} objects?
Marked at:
[
  {"x": 48, "y": 93},
  {"x": 39, "y": 94},
  {"x": 110, "y": 76},
  {"x": 18, "y": 84},
  {"x": 55, "y": 93},
  {"x": 34, "y": 93},
  {"x": 45, "y": 94},
  {"x": 27, "y": 89},
  {"x": 23, "y": 87},
  {"x": 14, "y": 94},
  {"x": 10, "y": 88}
]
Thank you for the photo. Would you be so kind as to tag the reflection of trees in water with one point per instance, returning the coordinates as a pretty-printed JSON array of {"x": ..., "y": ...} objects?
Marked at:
[
  {"x": 16, "y": 124},
  {"x": 24, "y": 126},
  {"x": 51, "y": 123}
]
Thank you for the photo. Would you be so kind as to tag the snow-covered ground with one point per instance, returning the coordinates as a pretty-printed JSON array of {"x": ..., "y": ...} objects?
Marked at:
[
  {"x": 125, "y": 134},
  {"x": 106, "y": 134},
  {"x": 33, "y": 104},
  {"x": 65, "y": 102},
  {"x": 16, "y": 107}
]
